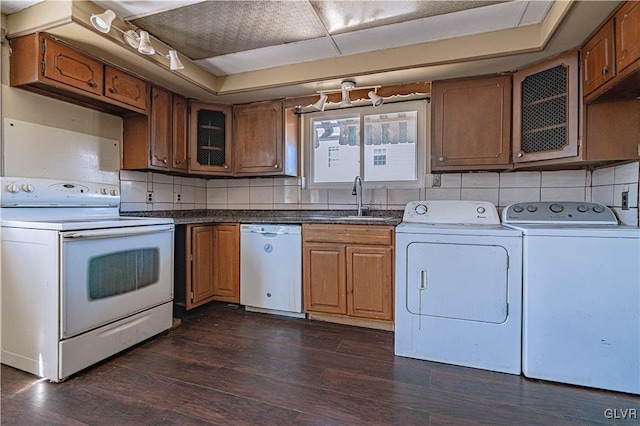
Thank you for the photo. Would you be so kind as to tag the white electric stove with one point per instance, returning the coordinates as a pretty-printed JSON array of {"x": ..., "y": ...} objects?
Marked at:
[{"x": 79, "y": 282}]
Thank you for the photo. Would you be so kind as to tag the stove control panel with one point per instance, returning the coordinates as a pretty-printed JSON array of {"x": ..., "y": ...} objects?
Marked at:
[
  {"x": 38, "y": 192},
  {"x": 455, "y": 212},
  {"x": 559, "y": 212}
]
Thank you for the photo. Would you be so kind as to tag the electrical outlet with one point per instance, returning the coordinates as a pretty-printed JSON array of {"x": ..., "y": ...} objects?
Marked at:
[
  {"x": 149, "y": 197},
  {"x": 625, "y": 200},
  {"x": 177, "y": 198},
  {"x": 436, "y": 181}
]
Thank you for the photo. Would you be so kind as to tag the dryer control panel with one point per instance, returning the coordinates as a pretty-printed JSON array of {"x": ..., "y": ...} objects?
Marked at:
[
  {"x": 453, "y": 212},
  {"x": 559, "y": 213}
]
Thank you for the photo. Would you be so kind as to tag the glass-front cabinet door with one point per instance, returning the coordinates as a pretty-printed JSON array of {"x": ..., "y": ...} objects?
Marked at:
[{"x": 210, "y": 138}]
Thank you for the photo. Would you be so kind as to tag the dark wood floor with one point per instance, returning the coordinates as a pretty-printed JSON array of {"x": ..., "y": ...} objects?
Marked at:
[{"x": 227, "y": 366}]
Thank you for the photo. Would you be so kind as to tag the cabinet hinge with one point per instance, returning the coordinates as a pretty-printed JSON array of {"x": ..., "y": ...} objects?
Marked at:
[
  {"x": 42, "y": 67},
  {"x": 43, "y": 47}
]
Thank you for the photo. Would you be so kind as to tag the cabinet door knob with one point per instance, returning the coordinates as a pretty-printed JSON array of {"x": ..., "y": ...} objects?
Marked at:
[
  {"x": 113, "y": 90},
  {"x": 604, "y": 71},
  {"x": 275, "y": 167},
  {"x": 441, "y": 159},
  {"x": 226, "y": 167},
  {"x": 164, "y": 161},
  {"x": 520, "y": 154},
  {"x": 93, "y": 84}
]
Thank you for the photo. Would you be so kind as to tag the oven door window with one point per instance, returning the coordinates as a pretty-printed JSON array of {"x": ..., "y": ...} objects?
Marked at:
[
  {"x": 110, "y": 274},
  {"x": 117, "y": 273}
]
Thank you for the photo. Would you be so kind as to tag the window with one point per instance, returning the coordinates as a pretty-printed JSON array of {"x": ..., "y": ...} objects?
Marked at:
[{"x": 385, "y": 146}]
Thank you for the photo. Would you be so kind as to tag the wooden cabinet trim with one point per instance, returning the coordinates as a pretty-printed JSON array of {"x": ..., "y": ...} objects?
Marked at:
[{"x": 356, "y": 234}]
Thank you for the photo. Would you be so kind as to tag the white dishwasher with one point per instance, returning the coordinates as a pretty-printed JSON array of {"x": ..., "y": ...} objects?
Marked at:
[{"x": 271, "y": 268}]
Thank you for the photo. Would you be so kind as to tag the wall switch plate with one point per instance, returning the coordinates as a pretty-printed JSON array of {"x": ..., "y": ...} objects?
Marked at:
[
  {"x": 149, "y": 197},
  {"x": 625, "y": 200}
]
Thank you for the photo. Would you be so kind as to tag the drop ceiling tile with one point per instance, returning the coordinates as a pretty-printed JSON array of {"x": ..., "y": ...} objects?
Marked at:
[
  {"x": 340, "y": 16},
  {"x": 270, "y": 57},
  {"x": 132, "y": 9},
  {"x": 213, "y": 28},
  {"x": 535, "y": 12},
  {"x": 440, "y": 27}
]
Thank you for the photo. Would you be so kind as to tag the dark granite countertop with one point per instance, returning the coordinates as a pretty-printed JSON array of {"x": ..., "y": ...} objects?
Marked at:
[{"x": 343, "y": 217}]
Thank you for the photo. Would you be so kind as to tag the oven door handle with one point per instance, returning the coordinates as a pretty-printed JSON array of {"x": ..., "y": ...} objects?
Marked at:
[{"x": 117, "y": 232}]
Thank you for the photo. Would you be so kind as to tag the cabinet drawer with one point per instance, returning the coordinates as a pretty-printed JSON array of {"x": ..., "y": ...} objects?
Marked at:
[
  {"x": 341, "y": 234},
  {"x": 125, "y": 88}
]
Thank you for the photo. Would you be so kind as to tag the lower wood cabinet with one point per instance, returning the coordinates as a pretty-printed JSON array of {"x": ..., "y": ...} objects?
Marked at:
[
  {"x": 207, "y": 264},
  {"x": 348, "y": 270}
]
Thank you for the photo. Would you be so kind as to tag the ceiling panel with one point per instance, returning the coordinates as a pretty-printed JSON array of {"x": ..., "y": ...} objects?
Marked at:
[
  {"x": 340, "y": 16},
  {"x": 213, "y": 28},
  {"x": 271, "y": 57}
]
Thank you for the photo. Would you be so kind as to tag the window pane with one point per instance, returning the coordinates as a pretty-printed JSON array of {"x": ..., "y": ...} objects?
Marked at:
[
  {"x": 390, "y": 146},
  {"x": 336, "y": 149}
]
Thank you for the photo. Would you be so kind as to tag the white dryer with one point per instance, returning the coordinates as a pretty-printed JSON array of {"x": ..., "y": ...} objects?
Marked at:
[
  {"x": 581, "y": 294},
  {"x": 458, "y": 286}
]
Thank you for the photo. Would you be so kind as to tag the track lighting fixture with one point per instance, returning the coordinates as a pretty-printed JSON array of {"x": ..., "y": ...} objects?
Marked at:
[
  {"x": 102, "y": 22},
  {"x": 345, "y": 88},
  {"x": 376, "y": 100},
  {"x": 174, "y": 60},
  {"x": 320, "y": 104},
  {"x": 141, "y": 42}
]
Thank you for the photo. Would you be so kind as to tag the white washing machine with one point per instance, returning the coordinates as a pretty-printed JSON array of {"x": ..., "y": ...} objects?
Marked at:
[
  {"x": 581, "y": 294},
  {"x": 458, "y": 286}
]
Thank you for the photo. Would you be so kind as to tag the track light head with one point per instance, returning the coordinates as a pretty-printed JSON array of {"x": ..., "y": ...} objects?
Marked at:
[
  {"x": 102, "y": 22},
  {"x": 319, "y": 105},
  {"x": 376, "y": 100},
  {"x": 174, "y": 61}
]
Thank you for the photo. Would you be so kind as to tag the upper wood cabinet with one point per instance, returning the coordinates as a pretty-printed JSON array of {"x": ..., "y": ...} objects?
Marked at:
[
  {"x": 47, "y": 66},
  {"x": 210, "y": 138},
  {"x": 471, "y": 124},
  {"x": 264, "y": 143},
  {"x": 180, "y": 142},
  {"x": 125, "y": 88},
  {"x": 157, "y": 141},
  {"x": 627, "y": 20},
  {"x": 611, "y": 57},
  {"x": 598, "y": 61},
  {"x": 545, "y": 110}
]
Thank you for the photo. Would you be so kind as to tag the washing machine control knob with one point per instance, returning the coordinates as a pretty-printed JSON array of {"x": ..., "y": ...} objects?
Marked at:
[
  {"x": 532, "y": 208},
  {"x": 582, "y": 208},
  {"x": 518, "y": 209},
  {"x": 598, "y": 209},
  {"x": 13, "y": 188},
  {"x": 556, "y": 208},
  {"x": 421, "y": 209}
]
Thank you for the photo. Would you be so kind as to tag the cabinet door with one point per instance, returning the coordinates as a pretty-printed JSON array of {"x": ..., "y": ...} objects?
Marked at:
[
  {"x": 627, "y": 34},
  {"x": 545, "y": 110},
  {"x": 370, "y": 282},
  {"x": 202, "y": 266},
  {"x": 160, "y": 128},
  {"x": 225, "y": 259},
  {"x": 324, "y": 278},
  {"x": 472, "y": 123},
  {"x": 72, "y": 68},
  {"x": 597, "y": 59},
  {"x": 258, "y": 138},
  {"x": 210, "y": 138},
  {"x": 179, "y": 140},
  {"x": 125, "y": 88}
]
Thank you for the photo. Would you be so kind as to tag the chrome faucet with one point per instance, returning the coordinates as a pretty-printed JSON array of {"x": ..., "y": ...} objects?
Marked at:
[{"x": 357, "y": 191}]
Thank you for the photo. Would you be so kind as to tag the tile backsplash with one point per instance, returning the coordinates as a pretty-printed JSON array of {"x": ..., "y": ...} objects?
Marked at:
[{"x": 604, "y": 185}]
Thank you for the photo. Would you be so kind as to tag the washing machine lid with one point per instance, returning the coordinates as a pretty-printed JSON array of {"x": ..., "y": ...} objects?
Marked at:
[{"x": 577, "y": 231}]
